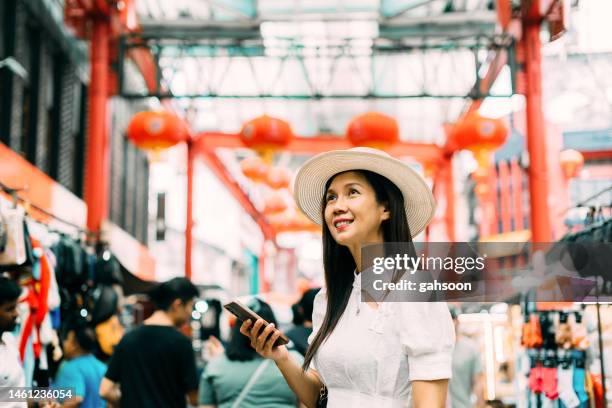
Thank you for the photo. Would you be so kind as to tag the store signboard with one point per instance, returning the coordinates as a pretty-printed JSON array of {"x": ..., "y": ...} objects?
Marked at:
[{"x": 588, "y": 140}]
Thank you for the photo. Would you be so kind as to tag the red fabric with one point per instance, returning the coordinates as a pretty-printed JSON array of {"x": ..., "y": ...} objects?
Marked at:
[
  {"x": 43, "y": 284},
  {"x": 598, "y": 390},
  {"x": 549, "y": 382},
  {"x": 32, "y": 301},
  {"x": 37, "y": 299},
  {"x": 536, "y": 379}
]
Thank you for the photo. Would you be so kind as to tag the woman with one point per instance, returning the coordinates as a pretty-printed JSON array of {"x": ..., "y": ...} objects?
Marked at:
[
  {"x": 240, "y": 378},
  {"x": 387, "y": 355}
]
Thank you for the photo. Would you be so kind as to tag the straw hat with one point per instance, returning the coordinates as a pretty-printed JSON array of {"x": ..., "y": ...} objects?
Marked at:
[{"x": 310, "y": 182}]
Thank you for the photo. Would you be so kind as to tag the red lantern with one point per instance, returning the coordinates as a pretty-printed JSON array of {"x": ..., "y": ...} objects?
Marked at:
[
  {"x": 571, "y": 162},
  {"x": 275, "y": 204},
  {"x": 157, "y": 130},
  {"x": 373, "y": 129},
  {"x": 278, "y": 177},
  {"x": 254, "y": 168},
  {"x": 477, "y": 132},
  {"x": 480, "y": 135},
  {"x": 266, "y": 132}
]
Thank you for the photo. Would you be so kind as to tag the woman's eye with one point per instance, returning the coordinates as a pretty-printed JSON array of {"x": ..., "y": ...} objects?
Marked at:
[
  {"x": 353, "y": 191},
  {"x": 330, "y": 197}
]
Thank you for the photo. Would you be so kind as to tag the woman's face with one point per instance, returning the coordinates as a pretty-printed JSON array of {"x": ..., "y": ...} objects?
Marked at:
[{"x": 352, "y": 214}]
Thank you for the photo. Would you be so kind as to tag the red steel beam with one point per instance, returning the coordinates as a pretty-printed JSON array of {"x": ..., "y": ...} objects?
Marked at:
[
  {"x": 422, "y": 152},
  {"x": 217, "y": 167},
  {"x": 536, "y": 129},
  {"x": 97, "y": 164}
]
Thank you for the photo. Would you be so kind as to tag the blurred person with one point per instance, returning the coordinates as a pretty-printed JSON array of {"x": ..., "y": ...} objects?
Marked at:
[
  {"x": 11, "y": 370},
  {"x": 468, "y": 377},
  {"x": 154, "y": 364},
  {"x": 387, "y": 355},
  {"x": 241, "y": 378},
  {"x": 81, "y": 370},
  {"x": 300, "y": 332}
]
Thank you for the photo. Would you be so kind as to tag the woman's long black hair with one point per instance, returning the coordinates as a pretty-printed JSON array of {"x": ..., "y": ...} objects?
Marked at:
[{"x": 338, "y": 263}]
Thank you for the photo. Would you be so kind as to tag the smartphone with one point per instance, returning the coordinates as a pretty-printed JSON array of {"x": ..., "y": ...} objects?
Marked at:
[{"x": 243, "y": 312}]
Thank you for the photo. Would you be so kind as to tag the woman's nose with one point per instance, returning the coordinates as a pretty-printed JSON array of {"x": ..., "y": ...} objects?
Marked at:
[{"x": 339, "y": 205}]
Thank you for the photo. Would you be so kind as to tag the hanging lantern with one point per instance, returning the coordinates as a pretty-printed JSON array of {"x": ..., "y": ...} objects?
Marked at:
[
  {"x": 571, "y": 162},
  {"x": 373, "y": 129},
  {"x": 254, "y": 168},
  {"x": 480, "y": 135},
  {"x": 275, "y": 204},
  {"x": 278, "y": 177},
  {"x": 266, "y": 134},
  {"x": 157, "y": 130}
]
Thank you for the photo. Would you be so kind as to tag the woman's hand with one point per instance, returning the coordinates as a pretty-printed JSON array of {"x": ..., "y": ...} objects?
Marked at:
[{"x": 263, "y": 339}]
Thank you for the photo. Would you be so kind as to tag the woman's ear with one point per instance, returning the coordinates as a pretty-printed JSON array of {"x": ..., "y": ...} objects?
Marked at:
[{"x": 386, "y": 214}]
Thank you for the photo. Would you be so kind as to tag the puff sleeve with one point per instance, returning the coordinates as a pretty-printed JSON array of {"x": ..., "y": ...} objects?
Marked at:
[{"x": 427, "y": 336}]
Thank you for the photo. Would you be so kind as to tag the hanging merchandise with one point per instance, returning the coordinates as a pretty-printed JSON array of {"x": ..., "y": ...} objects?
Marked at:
[
  {"x": 564, "y": 332},
  {"x": 63, "y": 282},
  {"x": 71, "y": 268},
  {"x": 532, "y": 333},
  {"x": 14, "y": 253},
  {"x": 557, "y": 374},
  {"x": 107, "y": 269}
]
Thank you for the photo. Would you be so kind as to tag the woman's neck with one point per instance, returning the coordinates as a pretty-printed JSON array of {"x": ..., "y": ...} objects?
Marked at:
[{"x": 355, "y": 250}]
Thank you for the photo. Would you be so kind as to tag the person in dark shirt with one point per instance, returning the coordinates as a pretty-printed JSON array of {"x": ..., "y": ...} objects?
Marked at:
[
  {"x": 154, "y": 365},
  {"x": 302, "y": 328}
]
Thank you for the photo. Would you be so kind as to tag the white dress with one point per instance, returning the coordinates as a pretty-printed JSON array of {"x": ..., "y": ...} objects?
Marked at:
[{"x": 373, "y": 354}]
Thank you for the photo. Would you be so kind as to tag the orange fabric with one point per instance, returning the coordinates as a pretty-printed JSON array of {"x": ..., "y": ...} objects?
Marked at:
[{"x": 598, "y": 390}]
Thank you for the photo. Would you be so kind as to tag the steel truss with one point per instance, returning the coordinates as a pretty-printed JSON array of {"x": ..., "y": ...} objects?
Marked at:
[{"x": 290, "y": 68}]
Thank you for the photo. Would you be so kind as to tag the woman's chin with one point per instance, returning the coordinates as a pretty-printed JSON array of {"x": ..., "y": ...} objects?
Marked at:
[{"x": 344, "y": 240}]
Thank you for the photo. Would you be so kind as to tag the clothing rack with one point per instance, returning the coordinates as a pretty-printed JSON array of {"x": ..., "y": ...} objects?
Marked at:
[{"x": 14, "y": 193}]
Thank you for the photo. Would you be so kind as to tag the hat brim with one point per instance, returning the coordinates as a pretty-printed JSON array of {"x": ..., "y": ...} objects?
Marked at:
[{"x": 310, "y": 183}]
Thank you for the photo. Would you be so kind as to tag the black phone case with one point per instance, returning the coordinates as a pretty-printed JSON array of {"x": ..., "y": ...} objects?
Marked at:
[{"x": 243, "y": 312}]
